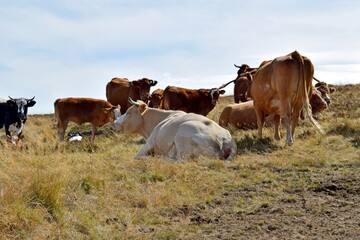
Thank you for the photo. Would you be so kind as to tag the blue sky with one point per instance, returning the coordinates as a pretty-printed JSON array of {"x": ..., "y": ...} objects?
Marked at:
[{"x": 53, "y": 49}]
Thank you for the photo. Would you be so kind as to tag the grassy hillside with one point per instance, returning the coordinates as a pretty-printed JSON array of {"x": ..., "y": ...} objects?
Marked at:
[{"x": 80, "y": 190}]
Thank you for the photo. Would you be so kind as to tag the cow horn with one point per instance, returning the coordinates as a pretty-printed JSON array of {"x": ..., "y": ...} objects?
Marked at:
[
  {"x": 316, "y": 79},
  {"x": 224, "y": 85},
  {"x": 132, "y": 102},
  {"x": 29, "y": 100},
  {"x": 11, "y": 98},
  {"x": 237, "y": 66}
]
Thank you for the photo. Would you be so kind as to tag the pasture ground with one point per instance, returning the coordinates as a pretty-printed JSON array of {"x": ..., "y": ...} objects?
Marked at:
[{"x": 80, "y": 190}]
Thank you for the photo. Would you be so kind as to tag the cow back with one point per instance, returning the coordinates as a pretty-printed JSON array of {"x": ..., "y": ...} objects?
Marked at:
[
  {"x": 187, "y": 100},
  {"x": 82, "y": 110},
  {"x": 118, "y": 90}
]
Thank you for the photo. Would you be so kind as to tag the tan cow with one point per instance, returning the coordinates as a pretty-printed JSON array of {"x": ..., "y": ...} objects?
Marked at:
[
  {"x": 243, "y": 115},
  {"x": 200, "y": 101},
  {"x": 156, "y": 97},
  {"x": 118, "y": 90},
  {"x": 176, "y": 134},
  {"x": 282, "y": 87},
  {"x": 82, "y": 110}
]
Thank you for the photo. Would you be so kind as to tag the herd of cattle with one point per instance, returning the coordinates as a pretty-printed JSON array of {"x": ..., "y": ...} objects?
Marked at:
[{"x": 173, "y": 120}]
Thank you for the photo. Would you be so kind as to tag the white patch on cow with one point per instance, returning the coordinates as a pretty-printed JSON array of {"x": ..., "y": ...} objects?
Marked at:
[
  {"x": 275, "y": 105},
  {"x": 212, "y": 92},
  {"x": 16, "y": 129},
  {"x": 118, "y": 121}
]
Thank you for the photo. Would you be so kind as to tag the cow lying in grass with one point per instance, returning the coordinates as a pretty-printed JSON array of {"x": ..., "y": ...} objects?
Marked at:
[{"x": 176, "y": 134}]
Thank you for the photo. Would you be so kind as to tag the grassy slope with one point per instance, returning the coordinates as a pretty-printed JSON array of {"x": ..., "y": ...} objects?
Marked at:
[{"x": 97, "y": 191}]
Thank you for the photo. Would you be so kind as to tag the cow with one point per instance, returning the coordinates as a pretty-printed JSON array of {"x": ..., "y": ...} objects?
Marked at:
[
  {"x": 98, "y": 112},
  {"x": 324, "y": 89},
  {"x": 118, "y": 90},
  {"x": 282, "y": 87},
  {"x": 200, "y": 101},
  {"x": 176, "y": 134},
  {"x": 242, "y": 86},
  {"x": 13, "y": 115},
  {"x": 156, "y": 98},
  {"x": 243, "y": 115}
]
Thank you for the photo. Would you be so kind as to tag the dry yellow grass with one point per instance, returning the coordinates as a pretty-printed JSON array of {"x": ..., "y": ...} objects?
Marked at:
[{"x": 80, "y": 190}]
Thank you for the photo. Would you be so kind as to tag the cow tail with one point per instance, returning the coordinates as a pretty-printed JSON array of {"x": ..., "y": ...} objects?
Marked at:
[
  {"x": 55, "y": 108},
  {"x": 302, "y": 85}
]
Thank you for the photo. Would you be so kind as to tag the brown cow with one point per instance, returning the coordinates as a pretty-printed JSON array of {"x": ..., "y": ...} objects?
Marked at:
[
  {"x": 325, "y": 90},
  {"x": 200, "y": 101},
  {"x": 118, "y": 90},
  {"x": 243, "y": 115},
  {"x": 81, "y": 110},
  {"x": 282, "y": 87},
  {"x": 242, "y": 88},
  {"x": 156, "y": 98}
]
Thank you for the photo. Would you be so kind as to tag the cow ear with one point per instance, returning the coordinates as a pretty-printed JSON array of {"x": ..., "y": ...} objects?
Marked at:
[
  {"x": 31, "y": 103},
  {"x": 332, "y": 89},
  {"x": 222, "y": 91},
  {"x": 142, "y": 107},
  {"x": 153, "y": 82}
]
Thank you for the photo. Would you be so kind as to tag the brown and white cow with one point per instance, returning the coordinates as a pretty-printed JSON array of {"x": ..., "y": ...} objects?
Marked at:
[
  {"x": 282, "y": 87},
  {"x": 118, "y": 90},
  {"x": 156, "y": 98},
  {"x": 325, "y": 90},
  {"x": 98, "y": 112},
  {"x": 200, "y": 101},
  {"x": 176, "y": 134}
]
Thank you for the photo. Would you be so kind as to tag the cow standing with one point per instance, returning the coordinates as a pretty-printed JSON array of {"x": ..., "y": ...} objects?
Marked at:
[
  {"x": 98, "y": 112},
  {"x": 282, "y": 87},
  {"x": 13, "y": 114},
  {"x": 118, "y": 90},
  {"x": 176, "y": 134},
  {"x": 200, "y": 101}
]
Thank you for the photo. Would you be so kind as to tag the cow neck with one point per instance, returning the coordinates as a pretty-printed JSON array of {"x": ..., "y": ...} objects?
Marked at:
[{"x": 152, "y": 117}]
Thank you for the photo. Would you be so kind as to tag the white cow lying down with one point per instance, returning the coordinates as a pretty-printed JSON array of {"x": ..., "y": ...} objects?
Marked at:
[{"x": 176, "y": 134}]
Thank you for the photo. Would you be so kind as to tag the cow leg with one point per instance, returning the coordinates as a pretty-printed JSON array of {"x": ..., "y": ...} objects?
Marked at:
[
  {"x": 294, "y": 123},
  {"x": 146, "y": 150},
  {"x": 288, "y": 124},
  {"x": 260, "y": 119},
  {"x": 62, "y": 128},
  {"x": 277, "y": 121},
  {"x": 93, "y": 132}
]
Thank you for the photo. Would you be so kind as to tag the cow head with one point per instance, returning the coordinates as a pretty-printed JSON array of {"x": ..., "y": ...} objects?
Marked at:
[
  {"x": 318, "y": 104},
  {"x": 19, "y": 107},
  {"x": 325, "y": 90},
  {"x": 143, "y": 85},
  {"x": 112, "y": 113},
  {"x": 132, "y": 120},
  {"x": 215, "y": 94},
  {"x": 156, "y": 98}
]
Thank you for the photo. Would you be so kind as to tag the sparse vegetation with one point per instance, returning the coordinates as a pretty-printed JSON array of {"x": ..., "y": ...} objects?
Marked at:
[{"x": 84, "y": 190}]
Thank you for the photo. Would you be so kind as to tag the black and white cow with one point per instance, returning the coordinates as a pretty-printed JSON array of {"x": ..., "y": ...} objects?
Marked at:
[{"x": 13, "y": 114}]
